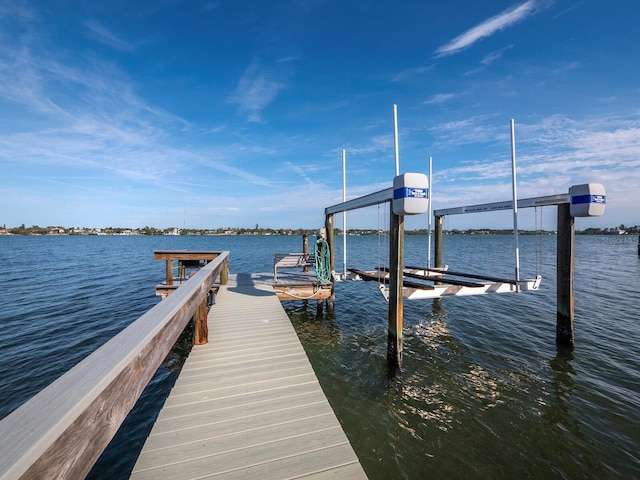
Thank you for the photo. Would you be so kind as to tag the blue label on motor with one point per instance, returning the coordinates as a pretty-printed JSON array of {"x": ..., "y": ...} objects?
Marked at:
[
  {"x": 409, "y": 192},
  {"x": 600, "y": 199}
]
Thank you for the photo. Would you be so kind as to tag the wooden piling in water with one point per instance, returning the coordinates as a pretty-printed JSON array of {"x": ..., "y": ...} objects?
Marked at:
[
  {"x": 169, "y": 270},
  {"x": 328, "y": 224},
  {"x": 305, "y": 249},
  {"x": 396, "y": 268},
  {"x": 438, "y": 240},
  {"x": 564, "y": 265}
]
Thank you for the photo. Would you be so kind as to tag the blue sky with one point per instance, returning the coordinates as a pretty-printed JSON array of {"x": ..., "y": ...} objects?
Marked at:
[{"x": 209, "y": 114}]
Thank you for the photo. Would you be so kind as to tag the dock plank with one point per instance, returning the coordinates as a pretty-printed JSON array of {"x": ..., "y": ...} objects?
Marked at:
[{"x": 248, "y": 403}]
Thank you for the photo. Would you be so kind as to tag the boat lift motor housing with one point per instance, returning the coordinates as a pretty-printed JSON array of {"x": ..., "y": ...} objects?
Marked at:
[
  {"x": 410, "y": 194},
  {"x": 587, "y": 200}
]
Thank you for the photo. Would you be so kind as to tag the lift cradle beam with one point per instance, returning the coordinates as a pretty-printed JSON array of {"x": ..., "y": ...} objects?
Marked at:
[
  {"x": 440, "y": 291},
  {"x": 446, "y": 287},
  {"x": 466, "y": 275}
]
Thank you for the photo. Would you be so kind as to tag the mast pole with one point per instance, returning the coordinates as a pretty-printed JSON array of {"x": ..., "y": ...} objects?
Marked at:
[
  {"x": 344, "y": 214},
  {"x": 395, "y": 138},
  {"x": 515, "y": 202},
  {"x": 429, "y": 221}
]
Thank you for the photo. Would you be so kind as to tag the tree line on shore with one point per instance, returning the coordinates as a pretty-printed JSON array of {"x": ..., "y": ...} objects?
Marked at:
[{"x": 58, "y": 230}]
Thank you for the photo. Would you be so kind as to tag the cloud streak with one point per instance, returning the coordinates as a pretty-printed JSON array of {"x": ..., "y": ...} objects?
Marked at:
[
  {"x": 103, "y": 35},
  {"x": 553, "y": 154},
  {"x": 440, "y": 98},
  {"x": 256, "y": 90},
  {"x": 88, "y": 117},
  {"x": 499, "y": 22}
]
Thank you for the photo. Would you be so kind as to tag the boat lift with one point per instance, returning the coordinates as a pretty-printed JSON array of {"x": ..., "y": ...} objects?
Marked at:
[
  {"x": 581, "y": 201},
  {"x": 446, "y": 282},
  {"x": 440, "y": 281}
]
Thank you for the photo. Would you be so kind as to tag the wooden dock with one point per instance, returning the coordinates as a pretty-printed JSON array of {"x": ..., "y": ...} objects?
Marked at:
[
  {"x": 248, "y": 403},
  {"x": 288, "y": 286}
]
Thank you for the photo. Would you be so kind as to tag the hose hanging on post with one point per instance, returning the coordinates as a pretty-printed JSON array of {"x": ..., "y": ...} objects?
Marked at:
[{"x": 323, "y": 261}]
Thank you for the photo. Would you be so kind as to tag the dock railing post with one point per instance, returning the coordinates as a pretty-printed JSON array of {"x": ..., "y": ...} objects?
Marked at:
[
  {"x": 565, "y": 263},
  {"x": 201, "y": 328},
  {"x": 169, "y": 272},
  {"x": 224, "y": 273},
  {"x": 396, "y": 266}
]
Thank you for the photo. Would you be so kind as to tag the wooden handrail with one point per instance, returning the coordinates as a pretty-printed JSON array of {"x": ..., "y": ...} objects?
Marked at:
[
  {"x": 182, "y": 255},
  {"x": 185, "y": 255},
  {"x": 62, "y": 431}
]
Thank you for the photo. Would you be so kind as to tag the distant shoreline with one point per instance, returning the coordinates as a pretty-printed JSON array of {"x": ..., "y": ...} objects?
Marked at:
[{"x": 60, "y": 231}]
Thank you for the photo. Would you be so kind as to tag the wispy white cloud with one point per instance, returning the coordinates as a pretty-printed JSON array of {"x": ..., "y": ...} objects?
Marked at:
[
  {"x": 488, "y": 27},
  {"x": 493, "y": 56},
  {"x": 489, "y": 60},
  {"x": 300, "y": 171},
  {"x": 376, "y": 144},
  {"x": 564, "y": 69},
  {"x": 17, "y": 12},
  {"x": 88, "y": 116},
  {"x": 440, "y": 98},
  {"x": 476, "y": 129},
  {"x": 553, "y": 154},
  {"x": 210, "y": 6},
  {"x": 256, "y": 90},
  {"x": 287, "y": 59},
  {"x": 564, "y": 12},
  {"x": 410, "y": 73},
  {"x": 103, "y": 35}
]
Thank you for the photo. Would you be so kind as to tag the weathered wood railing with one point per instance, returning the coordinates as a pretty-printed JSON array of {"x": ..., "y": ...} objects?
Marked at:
[
  {"x": 184, "y": 257},
  {"x": 62, "y": 431}
]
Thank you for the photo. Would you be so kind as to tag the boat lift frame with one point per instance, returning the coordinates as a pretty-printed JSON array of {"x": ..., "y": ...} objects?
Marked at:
[
  {"x": 565, "y": 244},
  {"x": 399, "y": 288}
]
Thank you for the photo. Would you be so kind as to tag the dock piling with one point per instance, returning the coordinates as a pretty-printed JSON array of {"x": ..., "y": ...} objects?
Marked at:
[
  {"x": 305, "y": 249},
  {"x": 169, "y": 270},
  {"x": 331, "y": 242},
  {"x": 396, "y": 268},
  {"x": 438, "y": 240},
  {"x": 564, "y": 283}
]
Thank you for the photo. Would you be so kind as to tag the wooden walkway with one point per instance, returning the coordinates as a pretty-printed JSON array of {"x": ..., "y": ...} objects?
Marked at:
[{"x": 248, "y": 404}]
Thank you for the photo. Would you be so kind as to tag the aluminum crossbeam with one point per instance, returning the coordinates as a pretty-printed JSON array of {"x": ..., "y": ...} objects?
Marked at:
[
  {"x": 386, "y": 195},
  {"x": 508, "y": 205},
  {"x": 375, "y": 198}
]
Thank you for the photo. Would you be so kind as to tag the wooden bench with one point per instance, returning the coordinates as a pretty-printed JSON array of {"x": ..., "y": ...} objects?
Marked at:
[{"x": 292, "y": 260}]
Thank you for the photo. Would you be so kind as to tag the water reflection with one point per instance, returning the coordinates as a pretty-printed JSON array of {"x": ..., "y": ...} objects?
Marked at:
[
  {"x": 563, "y": 385},
  {"x": 313, "y": 322}
]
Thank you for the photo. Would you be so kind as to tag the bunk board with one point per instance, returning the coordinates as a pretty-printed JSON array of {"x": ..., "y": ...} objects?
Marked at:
[{"x": 442, "y": 284}]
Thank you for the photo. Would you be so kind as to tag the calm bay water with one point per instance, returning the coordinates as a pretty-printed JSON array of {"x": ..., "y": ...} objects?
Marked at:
[{"x": 484, "y": 392}]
